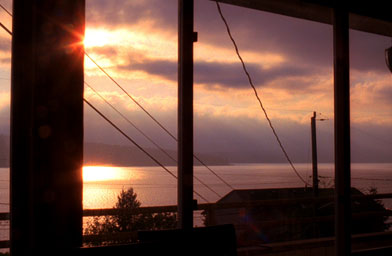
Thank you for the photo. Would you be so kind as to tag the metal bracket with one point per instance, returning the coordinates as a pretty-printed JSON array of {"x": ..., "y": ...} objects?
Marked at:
[{"x": 195, "y": 37}]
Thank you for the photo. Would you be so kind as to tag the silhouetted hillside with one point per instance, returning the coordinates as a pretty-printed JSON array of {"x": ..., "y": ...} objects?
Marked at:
[{"x": 103, "y": 154}]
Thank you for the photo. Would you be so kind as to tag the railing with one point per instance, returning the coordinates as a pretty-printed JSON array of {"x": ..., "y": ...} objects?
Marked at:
[{"x": 211, "y": 208}]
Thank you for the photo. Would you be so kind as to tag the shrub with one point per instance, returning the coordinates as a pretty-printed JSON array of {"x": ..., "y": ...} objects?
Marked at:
[{"x": 121, "y": 228}]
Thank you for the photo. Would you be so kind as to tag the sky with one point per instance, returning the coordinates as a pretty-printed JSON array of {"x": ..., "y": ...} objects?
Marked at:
[{"x": 290, "y": 61}]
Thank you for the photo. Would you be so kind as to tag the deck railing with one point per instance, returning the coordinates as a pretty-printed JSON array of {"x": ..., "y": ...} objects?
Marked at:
[{"x": 210, "y": 209}]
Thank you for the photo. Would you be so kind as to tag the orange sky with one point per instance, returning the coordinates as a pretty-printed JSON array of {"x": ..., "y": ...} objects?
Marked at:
[{"x": 290, "y": 61}]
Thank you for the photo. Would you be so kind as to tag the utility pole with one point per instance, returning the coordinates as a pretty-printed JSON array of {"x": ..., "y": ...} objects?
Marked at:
[{"x": 314, "y": 154}]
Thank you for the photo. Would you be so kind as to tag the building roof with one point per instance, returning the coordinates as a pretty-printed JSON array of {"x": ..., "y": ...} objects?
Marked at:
[{"x": 248, "y": 195}]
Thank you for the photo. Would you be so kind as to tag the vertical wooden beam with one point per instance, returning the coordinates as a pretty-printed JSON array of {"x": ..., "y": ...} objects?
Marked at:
[
  {"x": 342, "y": 131},
  {"x": 46, "y": 126},
  {"x": 185, "y": 113}
]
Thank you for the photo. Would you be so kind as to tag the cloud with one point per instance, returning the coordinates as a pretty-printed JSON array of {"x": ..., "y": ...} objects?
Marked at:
[
  {"x": 5, "y": 60},
  {"x": 367, "y": 52},
  {"x": 301, "y": 41},
  {"x": 4, "y": 99},
  {"x": 107, "y": 51},
  {"x": 163, "y": 68},
  {"x": 124, "y": 12},
  {"x": 215, "y": 75},
  {"x": 385, "y": 93},
  {"x": 371, "y": 94},
  {"x": 5, "y": 45},
  {"x": 227, "y": 116},
  {"x": 4, "y": 112},
  {"x": 231, "y": 75}
]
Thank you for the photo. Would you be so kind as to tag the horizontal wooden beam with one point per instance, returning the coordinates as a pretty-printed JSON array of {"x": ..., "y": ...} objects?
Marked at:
[
  {"x": 368, "y": 17},
  {"x": 208, "y": 206}
]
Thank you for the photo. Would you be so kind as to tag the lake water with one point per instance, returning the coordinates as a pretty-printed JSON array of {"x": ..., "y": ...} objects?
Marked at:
[{"x": 155, "y": 187}]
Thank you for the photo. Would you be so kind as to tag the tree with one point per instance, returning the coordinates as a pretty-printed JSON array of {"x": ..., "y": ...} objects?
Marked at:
[{"x": 121, "y": 228}]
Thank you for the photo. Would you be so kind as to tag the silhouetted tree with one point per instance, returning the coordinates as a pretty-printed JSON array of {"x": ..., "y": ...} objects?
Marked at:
[
  {"x": 375, "y": 223},
  {"x": 121, "y": 228}
]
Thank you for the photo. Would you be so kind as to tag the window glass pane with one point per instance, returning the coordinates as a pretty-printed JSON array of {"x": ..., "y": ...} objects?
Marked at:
[
  {"x": 135, "y": 43},
  {"x": 371, "y": 138},
  {"x": 290, "y": 63}
]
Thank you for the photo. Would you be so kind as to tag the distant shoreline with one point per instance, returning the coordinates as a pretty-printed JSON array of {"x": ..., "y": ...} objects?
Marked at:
[{"x": 229, "y": 164}]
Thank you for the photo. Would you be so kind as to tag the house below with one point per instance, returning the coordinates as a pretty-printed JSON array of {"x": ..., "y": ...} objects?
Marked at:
[{"x": 285, "y": 214}]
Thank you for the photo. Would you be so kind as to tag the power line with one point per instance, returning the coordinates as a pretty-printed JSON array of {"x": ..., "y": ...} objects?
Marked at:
[
  {"x": 1, "y": 24},
  {"x": 155, "y": 120},
  {"x": 257, "y": 96},
  {"x": 139, "y": 105},
  {"x": 156, "y": 161},
  {"x": 132, "y": 98},
  {"x": 5, "y": 28},
  {"x": 146, "y": 136},
  {"x": 5, "y": 9},
  {"x": 134, "y": 143},
  {"x": 131, "y": 123}
]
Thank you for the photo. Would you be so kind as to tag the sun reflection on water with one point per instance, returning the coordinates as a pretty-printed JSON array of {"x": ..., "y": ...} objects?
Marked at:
[
  {"x": 102, "y": 184},
  {"x": 104, "y": 173}
]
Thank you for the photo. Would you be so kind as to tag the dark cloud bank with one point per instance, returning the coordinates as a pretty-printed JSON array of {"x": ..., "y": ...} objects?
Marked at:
[
  {"x": 218, "y": 75},
  {"x": 303, "y": 42}
]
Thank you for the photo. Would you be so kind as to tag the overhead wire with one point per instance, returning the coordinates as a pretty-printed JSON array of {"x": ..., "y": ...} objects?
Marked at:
[
  {"x": 147, "y": 112},
  {"x": 130, "y": 96},
  {"x": 141, "y": 107},
  {"x": 131, "y": 123},
  {"x": 155, "y": 120},
  {"x": 5, "y": 28},
  {"x": 146, "y": 136},
  {"x": 5, "y": 9},
  {"x": 130, "y": 139},
  {"x": 135, "y": 143},
  {"x": 171, "y": 135},
  {"x": 257, "y": 96}
]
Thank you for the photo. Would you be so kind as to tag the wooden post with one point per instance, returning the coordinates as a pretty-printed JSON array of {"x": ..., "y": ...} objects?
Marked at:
[
  {"x": 185, "y": 113},
  {"x": 46, "y": 126},
  {"x": 342, "y": 131}
]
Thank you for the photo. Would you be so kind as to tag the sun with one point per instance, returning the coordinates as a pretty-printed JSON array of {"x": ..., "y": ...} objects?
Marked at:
[{"x": 96, "y": 37}]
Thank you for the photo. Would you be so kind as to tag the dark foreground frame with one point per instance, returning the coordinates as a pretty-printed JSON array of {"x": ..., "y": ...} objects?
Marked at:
[{"x": 47, "y": 113}]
